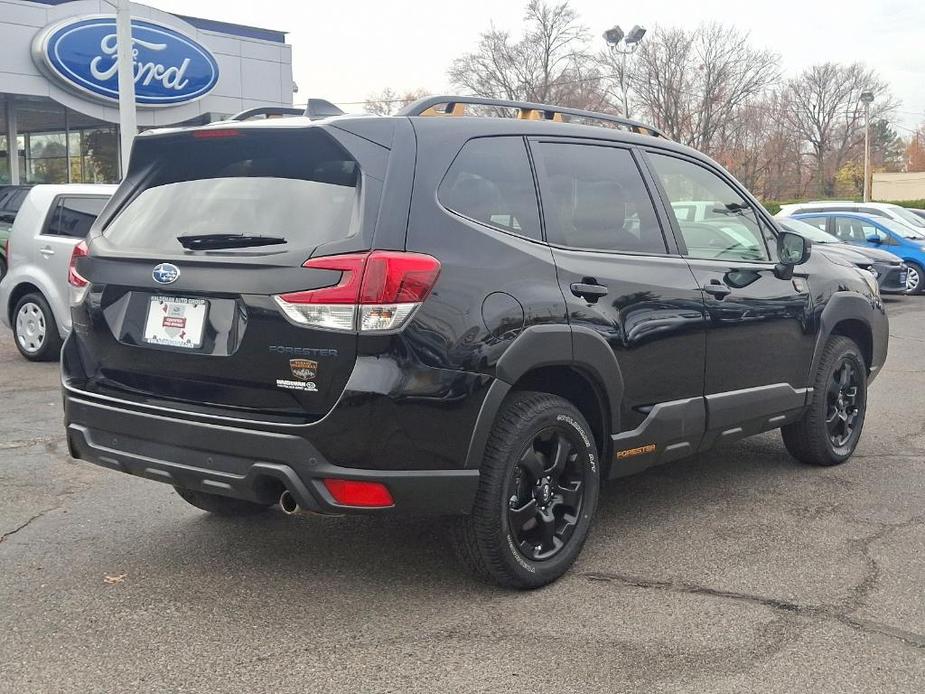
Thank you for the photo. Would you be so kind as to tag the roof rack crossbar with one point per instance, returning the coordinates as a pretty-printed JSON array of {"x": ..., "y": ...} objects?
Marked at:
[
  {"x": 269, "y": 112},
  {"x": 451, "y": 106}
]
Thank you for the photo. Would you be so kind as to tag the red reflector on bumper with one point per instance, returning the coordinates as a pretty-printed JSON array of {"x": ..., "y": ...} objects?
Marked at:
[{"x": 356, "y": 493}]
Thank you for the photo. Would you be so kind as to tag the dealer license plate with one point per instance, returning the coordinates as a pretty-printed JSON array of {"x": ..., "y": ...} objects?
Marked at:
[{"x": 175, "y": 321}]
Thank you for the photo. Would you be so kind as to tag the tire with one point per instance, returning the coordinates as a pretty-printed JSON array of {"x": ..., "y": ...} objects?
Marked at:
[
  {"x": 915, "y": 278},
  {"x": 540, "y": 452},
  {"x": 811, "y": 439},
  {"x": 35, "y": 329},
  {"x": 221, "y": 505}
]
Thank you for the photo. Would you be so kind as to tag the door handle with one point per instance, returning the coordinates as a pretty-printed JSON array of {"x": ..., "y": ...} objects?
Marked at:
[
  {"x": 589, "y": 292},
  {"x": 47, "y": 251},
  {"x": 717, "y": 289}
]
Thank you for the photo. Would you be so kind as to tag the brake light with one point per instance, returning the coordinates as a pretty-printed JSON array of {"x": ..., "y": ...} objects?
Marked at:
[
  {"x": 377, "y": 291},
  {"x": 215, "y": 134},
  {"x": 74, "y": 278},
  {"x": 357, "y": 493}
]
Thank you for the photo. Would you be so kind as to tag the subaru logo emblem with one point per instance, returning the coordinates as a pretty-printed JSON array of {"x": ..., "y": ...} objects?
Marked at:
[{"x": 165, "y": 273}]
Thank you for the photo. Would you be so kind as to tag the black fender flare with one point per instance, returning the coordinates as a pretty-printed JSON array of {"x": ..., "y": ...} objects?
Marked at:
[
  {"x": 844, "y": 306},
  {"x": 549, "y": 345}
]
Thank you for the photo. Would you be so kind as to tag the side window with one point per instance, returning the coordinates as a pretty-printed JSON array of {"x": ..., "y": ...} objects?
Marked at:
[
  {"x": 74, "y": 216},
  {"x": 594, "y": 198},
  {"x": 491, "y": 182},
  {"x": 873, "y": 211},
  {"x": 818, "y": 222},
  {"x": 872, "y": 233},
  {"x": 729, "y": 226},
  {"x": 850, "y": 230}
]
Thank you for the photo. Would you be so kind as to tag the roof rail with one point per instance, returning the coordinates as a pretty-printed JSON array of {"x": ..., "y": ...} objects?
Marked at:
[
  {"x": 269, "y": 112},
  {"x": 455, "y": 106}
]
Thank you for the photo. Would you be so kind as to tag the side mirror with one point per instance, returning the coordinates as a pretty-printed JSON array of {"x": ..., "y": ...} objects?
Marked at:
[
  {"x": 792, "y": 250},
  {"x": 875, "y": 240}
]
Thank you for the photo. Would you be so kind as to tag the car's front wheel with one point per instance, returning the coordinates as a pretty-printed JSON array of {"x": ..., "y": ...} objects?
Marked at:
[
  {"x": 538, "y": 491},
  {"x": 221, "y": 505},
  {"x": 829, "y": 431},
  {"x": 915, "y": 278},
  {"x": 35, "y": 329}
]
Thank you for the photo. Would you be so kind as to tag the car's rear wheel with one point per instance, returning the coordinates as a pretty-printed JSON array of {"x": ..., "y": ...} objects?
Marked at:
[
  {"x": 35, "y": 329},
  {"x": 537, "y": 494},
  {"x": 221, "y": 505},
  {"x": 830, "y": 429},
  {"x": 915, "y": 278}
]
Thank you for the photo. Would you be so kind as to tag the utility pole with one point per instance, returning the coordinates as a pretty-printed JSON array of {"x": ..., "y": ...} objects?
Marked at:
[
  {"x": 614, "y": 36},
  {"x": 866, "y": 98}
]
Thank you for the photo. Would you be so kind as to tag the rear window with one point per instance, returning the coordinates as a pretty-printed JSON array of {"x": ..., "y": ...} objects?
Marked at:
[{"x": 297, "y": 185}]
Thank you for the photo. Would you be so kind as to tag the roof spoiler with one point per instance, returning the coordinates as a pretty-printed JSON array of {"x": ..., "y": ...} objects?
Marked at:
[{"x": 315, "y": 110}]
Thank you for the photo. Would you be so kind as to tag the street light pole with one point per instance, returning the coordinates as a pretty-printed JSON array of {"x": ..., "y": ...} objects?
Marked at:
[
  {"x": 866, "y": 98},
  {"x": 614, "y": 37},
  {"x": 128, "y": 122}
]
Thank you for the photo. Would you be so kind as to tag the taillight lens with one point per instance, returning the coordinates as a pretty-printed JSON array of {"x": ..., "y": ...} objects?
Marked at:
[
  {"x": 377, "y": 291},
  {"x": 73, "y": 277},
  {"x": 358, "y": 493}
]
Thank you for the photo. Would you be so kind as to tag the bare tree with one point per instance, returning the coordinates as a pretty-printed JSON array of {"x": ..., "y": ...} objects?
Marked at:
[
  {"x": 829, "y": 116},
  {"x": 695, "y": 83},
  {"x": 550, "y": 63},
  {"x": 388, "y": 101}
]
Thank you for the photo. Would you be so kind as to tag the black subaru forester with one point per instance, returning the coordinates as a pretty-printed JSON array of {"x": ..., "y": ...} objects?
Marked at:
[{"x": 462, "y": 315}]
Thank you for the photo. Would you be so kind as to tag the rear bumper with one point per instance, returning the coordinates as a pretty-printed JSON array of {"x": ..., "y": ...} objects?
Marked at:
[{"x": 243, "y": 463}]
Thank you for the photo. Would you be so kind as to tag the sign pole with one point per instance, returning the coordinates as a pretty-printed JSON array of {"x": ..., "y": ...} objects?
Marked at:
[{"x": 128, "y": 125}]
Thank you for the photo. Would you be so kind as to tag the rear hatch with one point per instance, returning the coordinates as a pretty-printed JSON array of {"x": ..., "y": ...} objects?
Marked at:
[{"x": 183, "y": 272}]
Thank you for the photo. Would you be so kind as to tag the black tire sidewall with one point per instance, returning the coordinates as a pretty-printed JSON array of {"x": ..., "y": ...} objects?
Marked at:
[
  {"x": 844, "y": 452},
  {"x": 568, "y": 419},
  {"x": 52, "y": 342}
]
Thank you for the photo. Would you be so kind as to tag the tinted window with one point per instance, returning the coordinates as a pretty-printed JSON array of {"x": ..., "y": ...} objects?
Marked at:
[
  {"x": 74, "y": 216},
  {"x": 726, "y": 226},
  {"x": 298, "y": 185},
  {"x": 490, "y": 181},
  {"x": 594, "y": 197}
]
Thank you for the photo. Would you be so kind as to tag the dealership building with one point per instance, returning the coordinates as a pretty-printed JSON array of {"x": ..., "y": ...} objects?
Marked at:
[{"x": 59, "y": 92}]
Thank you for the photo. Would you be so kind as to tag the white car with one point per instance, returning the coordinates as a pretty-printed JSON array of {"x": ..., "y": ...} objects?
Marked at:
[
  {"x": 34, "y": 292},
  {"x": 877, "y": 209}
]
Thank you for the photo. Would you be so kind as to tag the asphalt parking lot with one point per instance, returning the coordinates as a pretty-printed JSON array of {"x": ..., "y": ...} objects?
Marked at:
[{"x": 739, "y": 570}]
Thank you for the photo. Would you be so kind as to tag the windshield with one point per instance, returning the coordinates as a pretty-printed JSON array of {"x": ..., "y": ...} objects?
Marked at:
[
  {"x": 901, "y": 229},
  {"x": 908, "y": 217},
  {"x": 808, "y": 231},
  {"x": 296, "y": 188}
]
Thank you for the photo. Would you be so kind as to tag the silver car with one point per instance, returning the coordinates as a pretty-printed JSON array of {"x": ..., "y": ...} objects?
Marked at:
[{"x": 34, "y": 292}]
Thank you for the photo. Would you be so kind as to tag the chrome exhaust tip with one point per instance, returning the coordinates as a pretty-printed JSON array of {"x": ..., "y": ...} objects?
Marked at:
[{"x": 288, "y": 503}]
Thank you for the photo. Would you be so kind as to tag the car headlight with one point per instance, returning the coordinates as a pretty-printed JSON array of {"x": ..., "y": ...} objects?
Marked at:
[{"x": 870, "y": 280}]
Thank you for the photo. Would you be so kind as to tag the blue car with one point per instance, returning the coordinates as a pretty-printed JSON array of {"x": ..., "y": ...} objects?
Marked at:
[{"x": 877, "y": 232}]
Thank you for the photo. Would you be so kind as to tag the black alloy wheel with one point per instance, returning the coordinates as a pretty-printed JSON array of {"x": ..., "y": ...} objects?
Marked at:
[{"x": 547, "y": 487}]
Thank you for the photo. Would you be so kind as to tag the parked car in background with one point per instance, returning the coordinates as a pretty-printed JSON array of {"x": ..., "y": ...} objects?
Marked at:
[
  {"x": 34, "y": 293},
  {"x": 865, "y": 230},
  {"x": 11, "y": 198},
  {"x": 888, "y": 268},
  {"x": 875, "y": 209},
  {"x": 917, "y": 212}
]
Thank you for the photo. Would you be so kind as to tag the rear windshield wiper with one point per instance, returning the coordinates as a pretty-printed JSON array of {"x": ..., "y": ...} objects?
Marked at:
[{"x": 214, "y": 241}]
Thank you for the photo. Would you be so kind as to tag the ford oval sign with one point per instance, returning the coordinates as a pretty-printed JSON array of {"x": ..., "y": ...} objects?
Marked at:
[
  {"x": 169, "y": 68},
  {"x": 166, "y": 273}
]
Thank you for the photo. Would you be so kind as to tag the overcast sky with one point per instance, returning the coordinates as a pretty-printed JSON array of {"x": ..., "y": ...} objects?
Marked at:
[{"x": 345, "y": 50}]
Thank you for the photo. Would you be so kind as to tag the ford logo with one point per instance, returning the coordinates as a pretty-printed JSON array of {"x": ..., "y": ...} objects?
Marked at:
[
  {"x": 169, "y": 68},
  {"x": 166, "y": 273}
]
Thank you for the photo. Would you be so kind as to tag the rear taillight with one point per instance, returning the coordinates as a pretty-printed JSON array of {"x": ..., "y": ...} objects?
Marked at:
[
  {"x": 73, "y": 277},
  {"x": 377, "y": 291}
]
